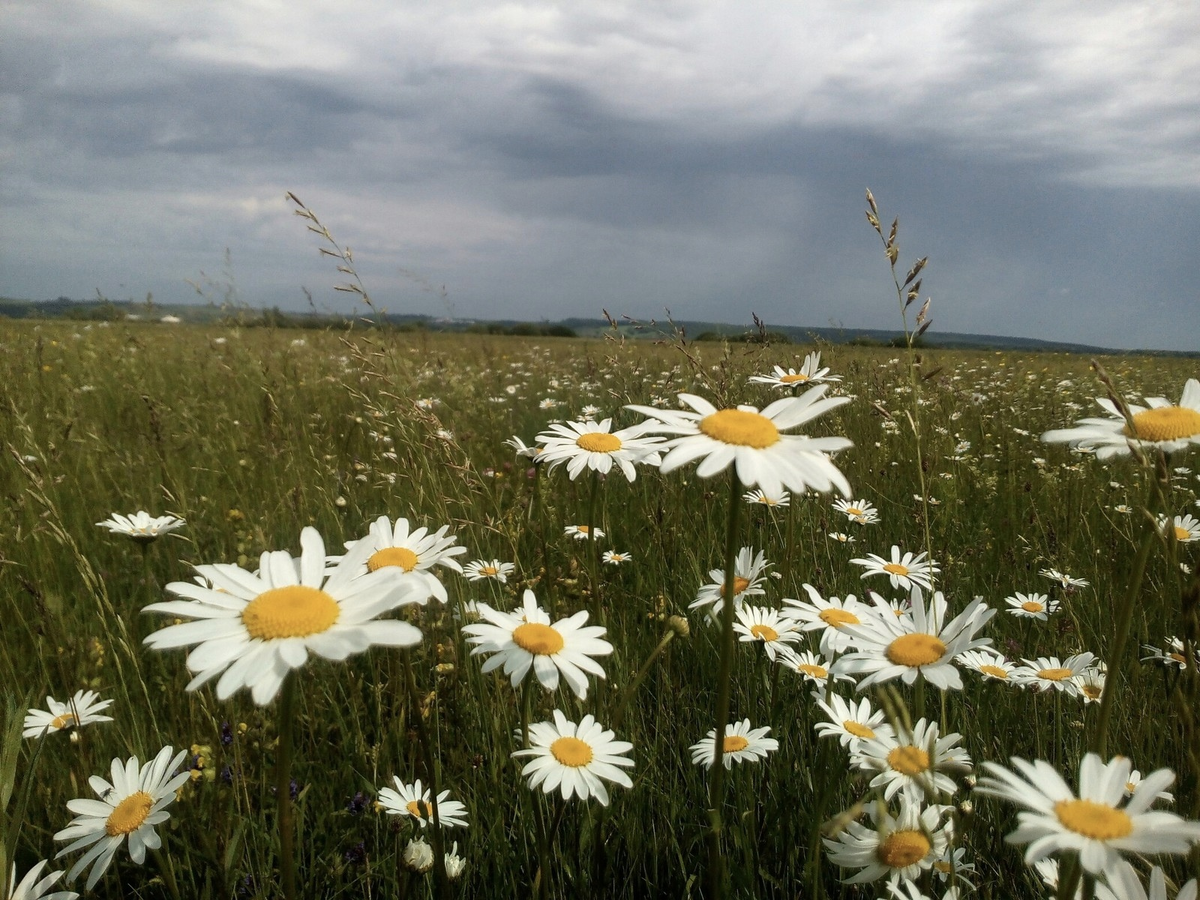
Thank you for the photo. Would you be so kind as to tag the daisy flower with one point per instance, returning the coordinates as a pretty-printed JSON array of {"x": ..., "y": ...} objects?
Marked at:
[
  {"x": 522, "y": 450},
  {"x": 1124, "y": 884},
  {"x": 482, "y": 569},
  {"x": 418, "y": 855},
  {"x": 753, "y": 442},
  {"x": 903, "y": 572},
  {"x": 851, "y": 722},
  {"x": 521, "y": 643},
  {"x": 1172, "y": 655},
  {"x": 82, "y": 709},
  {"x": 455, "y": 864},
  {"x": 129, "y": 807},
  {"x": 991, "y": 666},
  {"x": 748, "y": 571},
  {"x": 859, "y": 512},
  {"x": 828, "y": 616},
  {"x": 1095, "y": 824},
  {"x": 914, "y": 763},
  {"x": 253, "y": 629},
  {"x": 1158, "y": 425},
  {"x": 413, "y": 553},
  {"x": 810, "y": 373},
  {"x": 1185, "y": 528},
  {"x": 953, "y": 862},
  {"x": 762, "y": 498},
  {"x": 1048, "y": 673},
  {"x": 897, "y": 847},
  {"x": 30, "y": 888},
  {"x": 410, "y": 800},
  {"x": 1031, "y": 606},
  {"x": 891, "y": 646},
  {"x": 1090, "y": 683},
  {"x": 141, "y": 526},
  {"x": 811, "y": 668},
  {"x": 576, "y": 759},
  {"x": 595, "y": 446},
  {"x": 582, "y": 532},
  {"x": 616, "y": 558},
  {"x": 742, "y": 744},
  {"x": 1135, "y": 778},
  {"x": 841, "y": 537},
  {"x": 1065, "y": 581},
  {"x": 757, "y": 623}
]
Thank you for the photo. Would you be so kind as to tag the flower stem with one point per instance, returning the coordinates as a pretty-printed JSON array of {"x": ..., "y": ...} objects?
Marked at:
[
  {"x": 717, "y": 883},
  {"x": 439, "y": 848},
  {"x": 593, "y": 549},
  {"x": 283, "y": 787},
  {"x": 640, "y": 676}
]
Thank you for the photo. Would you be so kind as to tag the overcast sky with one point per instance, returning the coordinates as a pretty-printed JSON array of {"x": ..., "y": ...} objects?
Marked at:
[{"x": 545, "y": 160}]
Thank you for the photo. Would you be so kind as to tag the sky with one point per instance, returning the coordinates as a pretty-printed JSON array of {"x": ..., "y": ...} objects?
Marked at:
[{"x": 537, "y": 160}]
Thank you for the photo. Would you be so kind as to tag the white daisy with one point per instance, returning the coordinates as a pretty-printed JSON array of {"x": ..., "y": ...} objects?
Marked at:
[
  {"x": 890, "y": 646},
  {"x": 914, "y": 763},
  {"x": 828, "y": 616},
  {"x": 989, "y": 664},
  {"x": 752, "y": 441},
  {"x": 904, "y": 571},
  {"x": 748, "y": 571},
  {"x": 841, "y": 537},
  {"x": 897, "y": 847},
  {"x": 1048, "y": 673},
  {"x": 1031, "y": 606},
  {"x": 595, "y": 446},
  {"x": 82, "y": 709},
  {"x": 418, "y": 855},
  {"x": 455, "y": 864},
  {"x": 583, "y": 532},
  {"x": 757, "y": 623},
  {"x": 130, "y": 806},
  {"x": 411, "y": 800},
  {"x": 141, "y": 526},
  {"x": 1135, "y": 778},
  {"x": 577, "y": 759},
  {"x": 253, "y": 629},
  {"x": 811, "y": 668},
  {"x": 810, "y": 373},
  {"x": 742, "y": 744},
  {"x": 482, "y": 569},
  {"x": 851, "y": 722},
  {"x": 31, "y": 888},
  {"x": 1090, "y": 683},
  {"x": 522, "y": 450},
  {"x": 762, "y": 498},
  {"x": 953, "y": 863},
  {"x": 1124, "y": 884},
  {"x": 521, "y": 643},
  {"x": 1172, "y": 655},
  {"x": 1158, "y": 425},
  {"x": 1095, "y": 824},
  {"x": 1065, "y": 581},
  {"x": 860, "y": 512},
  {"x": 616, "y": 557},
  {"x": 1186, "y": 529},
  {"x": 413, "y": 553}
]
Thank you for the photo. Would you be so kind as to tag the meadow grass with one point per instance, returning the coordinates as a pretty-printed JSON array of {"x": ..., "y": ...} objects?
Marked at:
[{"x": 251, "y": 435}]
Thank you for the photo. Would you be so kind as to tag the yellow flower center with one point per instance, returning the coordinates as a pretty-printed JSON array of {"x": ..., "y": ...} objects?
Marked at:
[
  {"x": 293, "y": 611},
  {"x": 740, "y": 428},
  {"x": 1055, "y": 674},
  {"x": 1182, "y": 535},
  {"x": 903, "y": 848},
  {"x": 739, "y": 585},
  {"x": 853, "y": 511},
  {"x": 598, "y": 442},
  {"x": 1167, "y": 423},
  {"x": 1031, "y": 606},
  {"x": 401, "y": 557},
  {"x": 63, "y": 721},
  {"x": 419, "y": 809},
  {"x": 909, "y": 760},
  {"x": 764, "y": 632},
  {"x": 895, "y": 569},
  {"x": 915, "y": 650},
  {"x": 1091, "y": 691},
  {"x": 793, "y": 378},
  {"x": 583, "y": 529},
  {"x": 1097, "y": 821},
  {"x": 994, "y": 671},
  {"x": 858, "y": 729},
  {"x": 571, "y": 751},
  {"x": 734, "y": 742},
  {"x": 943, "y": 866},
  {"x": 489, "y": 570},
  {"x": 813, "y": 671},
  {"x": 1178, "y": 657},
  {"x": 129, "y": 814},
  {"x": 836, "y": 618},
  {"x": 541, "y": 640}
]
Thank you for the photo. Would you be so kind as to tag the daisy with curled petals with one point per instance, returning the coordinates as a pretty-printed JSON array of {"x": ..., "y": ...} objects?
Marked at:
[
  {"x": 1048, "y": 673},
  {"x": 413, "y": 553},
  {"x": 129, "y": 807},
  {"x": 31, "y": 888},
  {"x": 1158, "y": 425},
  {"x": 1186, "y": 529},
  {"x": 828, "y": 616},
  {"x": 851, "y": 722},
  {"x": 1098, "y": 824},
  {"x": 595, "y": 446},
  {"x": 760, "y": 497},
  {"x": 576, "y": 759},
  {"x": 1031, "y": 606},
  {"x": 810, "y": 373},
  {"x": 914, "y": 763},
  {"x": 1124, "y": 884},
  {"x": 753, "y": 442},
  {"x": 483, "y": 569},
  {"x": 1091, "y": 683},
  {"x": 898, "y": 847},
  {"x": 890, "y": 646},
  {"x": 992, "y": 666},
  {"x": 1065, "y": 581},
  {"x": 860, "y": 512},
  {"x": 253, "y": 629},
  {"x": 748, "y": 569},
  {"x": 82, "y": 709},
  {"x": 141, "y": 526},
  {"x": 521, "y": 643},
  {"x": 522, "y": 450},
  {"x": 841, "y": 537},
  {"x": 741, "y": 744},
  {"x": 811, "y": 668},
  {"x": 904, "y": 571},
  {"x": 1135, "y": 778},
  {"x": 410, "y": 800},
  {"x": 583, "y": 532},
  {"x": 758, "y": 623},
  {"x": 1172, "y": 654}
]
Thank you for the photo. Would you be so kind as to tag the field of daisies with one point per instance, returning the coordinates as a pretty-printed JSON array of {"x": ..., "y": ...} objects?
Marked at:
[{"x": 366, "y": 615}]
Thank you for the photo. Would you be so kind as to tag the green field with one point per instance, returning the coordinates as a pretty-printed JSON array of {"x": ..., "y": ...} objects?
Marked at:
[{"x": 252, "y": 435}]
